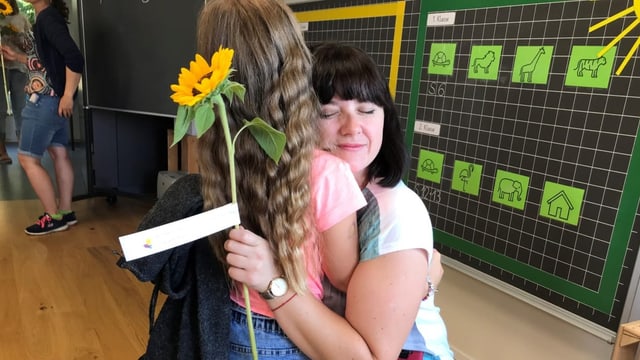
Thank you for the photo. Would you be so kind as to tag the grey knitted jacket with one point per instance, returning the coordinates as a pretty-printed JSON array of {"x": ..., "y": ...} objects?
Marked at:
[{"x": 194, "y": 320}]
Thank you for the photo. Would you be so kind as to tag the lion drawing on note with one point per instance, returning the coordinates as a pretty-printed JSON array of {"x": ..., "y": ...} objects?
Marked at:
[{"x": 484, "y": 62}]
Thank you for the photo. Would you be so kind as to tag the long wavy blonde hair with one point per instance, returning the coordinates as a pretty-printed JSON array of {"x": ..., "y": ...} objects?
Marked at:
[{"x": 273, "y": 62}]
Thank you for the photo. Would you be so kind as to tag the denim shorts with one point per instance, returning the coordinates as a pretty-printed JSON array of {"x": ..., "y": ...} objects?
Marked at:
[
  {"x": 42, "y": 127},
  {"x": 271, "y": 341}
]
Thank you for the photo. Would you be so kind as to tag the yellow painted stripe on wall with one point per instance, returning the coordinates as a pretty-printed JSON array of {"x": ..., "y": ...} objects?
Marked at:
[{"x": 396, "y": 9}]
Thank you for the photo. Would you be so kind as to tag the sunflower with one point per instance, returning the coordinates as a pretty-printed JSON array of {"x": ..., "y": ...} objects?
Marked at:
[
  {"x": 5, "y": 8},
  {"x": 201, "y": 79}
]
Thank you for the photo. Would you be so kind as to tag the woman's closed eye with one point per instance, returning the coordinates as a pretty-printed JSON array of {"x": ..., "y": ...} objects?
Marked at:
[
  {"x": 367, "y": 112},
  {"x": 328, "y": 114},
  {"x": 367, "y": 108}
]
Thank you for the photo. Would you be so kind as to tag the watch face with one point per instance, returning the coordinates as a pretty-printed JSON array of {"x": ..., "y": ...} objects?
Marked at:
[{"x": 278, "y": 287}]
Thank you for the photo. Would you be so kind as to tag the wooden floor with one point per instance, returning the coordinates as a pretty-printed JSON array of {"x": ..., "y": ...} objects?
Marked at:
[{"x": 62, "y": 296}]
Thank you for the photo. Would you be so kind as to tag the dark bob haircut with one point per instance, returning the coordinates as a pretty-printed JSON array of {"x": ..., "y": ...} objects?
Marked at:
[{"x": 348, "y": 72}]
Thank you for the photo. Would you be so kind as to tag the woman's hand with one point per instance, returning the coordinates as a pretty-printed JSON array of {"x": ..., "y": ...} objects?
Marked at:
[
  {"x": 250, "y": 259},
  {"x": 65, "y": 108}
]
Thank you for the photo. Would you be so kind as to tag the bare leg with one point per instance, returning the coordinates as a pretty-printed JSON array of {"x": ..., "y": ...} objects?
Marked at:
[
  {"x": 40, "y": 181},
  {"x": 64, "y": 175}
]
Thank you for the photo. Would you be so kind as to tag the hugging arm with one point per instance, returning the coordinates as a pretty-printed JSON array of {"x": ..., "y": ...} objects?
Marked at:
[
  {"x": 384, "y": 294},
  {"x": 336, "y": 197},
  {"x": 383, "y": 299},
  {"x": 339, "y": 251}
]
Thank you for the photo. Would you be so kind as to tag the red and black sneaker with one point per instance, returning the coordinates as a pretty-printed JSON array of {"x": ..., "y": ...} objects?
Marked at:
[
  {"x": 45, "y": 225},
  {"x": 70, "y": 218}
]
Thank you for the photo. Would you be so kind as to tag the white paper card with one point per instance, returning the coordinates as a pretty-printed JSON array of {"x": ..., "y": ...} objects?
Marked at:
[
  {"x": 427, "y": 128},
  {"x": 168, "y": 236},
  {"x": 441, "y": 19}
]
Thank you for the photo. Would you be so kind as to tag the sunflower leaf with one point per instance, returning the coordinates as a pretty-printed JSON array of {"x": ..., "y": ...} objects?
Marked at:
[
  {"x": 204, "y": 118},
  {"x": 233, "y": 88},
  {"x": 182, "y": 124},
  {"x": 270, "y": 140}
]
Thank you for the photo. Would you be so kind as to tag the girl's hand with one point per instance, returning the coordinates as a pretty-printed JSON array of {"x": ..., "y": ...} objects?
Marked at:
[{"x": 250, "y": 259}]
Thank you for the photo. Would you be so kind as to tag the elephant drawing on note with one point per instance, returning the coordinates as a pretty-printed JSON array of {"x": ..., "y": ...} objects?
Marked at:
[{"x": 510, "y": 187}]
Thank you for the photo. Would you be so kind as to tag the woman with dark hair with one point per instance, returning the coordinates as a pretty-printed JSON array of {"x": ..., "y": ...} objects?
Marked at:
[
  {"x": 55, "y": 66},
  {"x": 387, "y": 313}
]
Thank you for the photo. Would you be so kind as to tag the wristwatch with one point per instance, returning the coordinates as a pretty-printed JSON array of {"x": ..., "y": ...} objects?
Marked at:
[{"x": 276, "y": 288}]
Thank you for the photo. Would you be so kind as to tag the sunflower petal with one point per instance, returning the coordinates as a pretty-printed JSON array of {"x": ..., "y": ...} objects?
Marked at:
[
  {"x": 200, "y": 66},
  {"x": 5, "y": 8}
]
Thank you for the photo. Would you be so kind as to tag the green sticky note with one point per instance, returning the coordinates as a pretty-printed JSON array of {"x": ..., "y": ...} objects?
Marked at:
[
  {"x": 484, "y": 62},
  {"x": 430, "y": 166},
  {"x": 510, "y": 189},
  {"x": 466, "y": 177},
  {"x": 532, "y": 64},
  {"x": 441, "y": 58},
  {"x": 587, "y": 69},
  {"x": 562, "y": 203}
]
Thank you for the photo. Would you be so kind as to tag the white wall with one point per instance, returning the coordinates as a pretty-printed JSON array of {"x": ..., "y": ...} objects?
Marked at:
[{"x": 486, "y": 323}]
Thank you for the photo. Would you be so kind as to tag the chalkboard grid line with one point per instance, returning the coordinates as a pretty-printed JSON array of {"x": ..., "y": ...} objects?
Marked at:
[{"x": 583, "y": 147}]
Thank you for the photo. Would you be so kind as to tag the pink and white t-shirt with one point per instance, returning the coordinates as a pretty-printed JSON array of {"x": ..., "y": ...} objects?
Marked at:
[{"x": 335, "y": 194}]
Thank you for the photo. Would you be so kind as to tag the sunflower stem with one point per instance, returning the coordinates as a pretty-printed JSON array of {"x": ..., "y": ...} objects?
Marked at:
[{"x": 234, "y": 199}]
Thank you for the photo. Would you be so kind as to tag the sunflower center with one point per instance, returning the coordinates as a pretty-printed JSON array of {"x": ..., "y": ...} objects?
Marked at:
[
  {"x": 207, "y": 75},
  {"x": 195, "y": 91}
]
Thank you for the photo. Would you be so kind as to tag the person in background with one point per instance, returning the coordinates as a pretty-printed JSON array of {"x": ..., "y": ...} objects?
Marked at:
[
  {"x": 387, "y": 313},
  {"x": 15, "y": 29},
  {"x": 56, "y": 65}
]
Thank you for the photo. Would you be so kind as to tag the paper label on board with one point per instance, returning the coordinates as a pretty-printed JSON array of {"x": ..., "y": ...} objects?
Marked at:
[
  {"x": 441, "y": 19},
  {"x": 427, "y": 128}
]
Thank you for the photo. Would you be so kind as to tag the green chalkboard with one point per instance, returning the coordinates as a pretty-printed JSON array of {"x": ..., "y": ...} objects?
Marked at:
[{"x": 526, "y": 95}]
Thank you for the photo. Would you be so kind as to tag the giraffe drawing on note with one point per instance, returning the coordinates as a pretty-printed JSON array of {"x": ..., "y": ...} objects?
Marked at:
[{"x": 529, "y": 68}]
